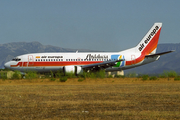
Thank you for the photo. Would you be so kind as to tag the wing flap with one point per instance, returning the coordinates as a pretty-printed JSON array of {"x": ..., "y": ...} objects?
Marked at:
[{"x": 103, "y": 65}]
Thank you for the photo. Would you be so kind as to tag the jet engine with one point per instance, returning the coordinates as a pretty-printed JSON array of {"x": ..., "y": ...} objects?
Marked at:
[{"x": 73, "y": 69}]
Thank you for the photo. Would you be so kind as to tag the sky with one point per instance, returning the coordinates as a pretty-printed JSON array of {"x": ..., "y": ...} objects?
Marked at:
[{"x": 103, "y": 25}]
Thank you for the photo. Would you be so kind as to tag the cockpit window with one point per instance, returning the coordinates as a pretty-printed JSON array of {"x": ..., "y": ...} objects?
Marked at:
[{"x": 16, "y": 59}]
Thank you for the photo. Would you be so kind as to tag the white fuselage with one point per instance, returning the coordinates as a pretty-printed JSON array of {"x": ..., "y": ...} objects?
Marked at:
[
  {"x": 45, "y": 62},
  {"x": 77, "y": 62}
]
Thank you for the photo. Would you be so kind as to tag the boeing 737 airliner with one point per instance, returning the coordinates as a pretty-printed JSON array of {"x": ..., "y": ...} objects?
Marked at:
[{"x": 143, "y": 53}]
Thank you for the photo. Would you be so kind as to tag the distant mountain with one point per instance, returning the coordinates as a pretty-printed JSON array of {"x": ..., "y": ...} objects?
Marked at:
[
  {"x": 10, "y": 50},
  {"x": 166, "y": 62}
]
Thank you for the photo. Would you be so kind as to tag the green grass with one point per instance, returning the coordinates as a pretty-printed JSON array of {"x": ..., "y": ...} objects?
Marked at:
[
  {"x": 93, "y": 75},
  {"x": 63, "y": 79},
  {"x": 70, "y": 75},
  {"x": 96, "y": 74},
  {"x": 168, "y": 74},
  {"x": 31, "y": 75}
]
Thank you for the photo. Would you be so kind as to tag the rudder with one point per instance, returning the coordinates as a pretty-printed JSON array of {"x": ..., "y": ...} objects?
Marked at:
[{"x": 149, "y": 42}]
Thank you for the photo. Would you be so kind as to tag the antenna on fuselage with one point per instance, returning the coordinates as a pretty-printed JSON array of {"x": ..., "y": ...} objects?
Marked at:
[{"x": 77, "y": 51}]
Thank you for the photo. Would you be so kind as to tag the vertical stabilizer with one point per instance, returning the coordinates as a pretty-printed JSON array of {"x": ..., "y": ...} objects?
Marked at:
[{"x": 149, "y": 43}]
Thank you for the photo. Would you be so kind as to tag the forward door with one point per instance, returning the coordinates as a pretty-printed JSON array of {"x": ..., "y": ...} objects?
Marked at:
[{"x": 30, "y": 60}]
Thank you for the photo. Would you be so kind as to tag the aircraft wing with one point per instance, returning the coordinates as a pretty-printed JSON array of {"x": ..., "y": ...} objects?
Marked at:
[
  {"x": 102, "y": 65},
  {"x": 157, "y": 54}
]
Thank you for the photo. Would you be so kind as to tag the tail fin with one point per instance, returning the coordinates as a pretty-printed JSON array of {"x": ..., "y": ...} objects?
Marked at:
[{"x": 149, "y": 43}]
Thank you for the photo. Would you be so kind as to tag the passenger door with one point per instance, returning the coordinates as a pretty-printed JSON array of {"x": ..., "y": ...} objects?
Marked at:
[{"x": 133, "y": 59}]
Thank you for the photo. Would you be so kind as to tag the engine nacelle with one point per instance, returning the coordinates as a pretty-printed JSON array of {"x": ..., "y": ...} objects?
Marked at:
[{"x": 73, "y": 69}]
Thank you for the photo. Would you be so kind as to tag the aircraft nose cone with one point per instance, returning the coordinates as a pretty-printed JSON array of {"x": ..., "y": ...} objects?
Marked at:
[{"x": 7, "y": 65}]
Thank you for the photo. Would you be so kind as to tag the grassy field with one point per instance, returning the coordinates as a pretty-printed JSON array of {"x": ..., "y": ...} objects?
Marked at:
[{"x": 108, "y": 98}]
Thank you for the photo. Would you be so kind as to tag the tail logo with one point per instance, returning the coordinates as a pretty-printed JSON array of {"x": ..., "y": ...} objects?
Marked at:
[{"x": 148, "y": 38}]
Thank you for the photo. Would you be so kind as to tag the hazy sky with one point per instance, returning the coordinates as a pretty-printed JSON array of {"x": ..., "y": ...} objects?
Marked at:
[{"x": 106, "y": 25}]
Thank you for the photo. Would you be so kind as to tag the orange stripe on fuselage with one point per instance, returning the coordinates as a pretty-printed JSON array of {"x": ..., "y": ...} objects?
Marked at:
[{"x": 152, "y": 45}]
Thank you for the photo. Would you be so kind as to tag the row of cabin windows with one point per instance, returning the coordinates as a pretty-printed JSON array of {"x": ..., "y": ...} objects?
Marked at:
[
  {"x": 49, "y": 59},
  {"x": 75, "y": 59},
  {"x": 89, "y": 59}
]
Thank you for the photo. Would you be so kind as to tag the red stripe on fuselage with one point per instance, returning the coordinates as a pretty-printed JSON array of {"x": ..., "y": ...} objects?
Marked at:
[{"x": 54, "y": 63}]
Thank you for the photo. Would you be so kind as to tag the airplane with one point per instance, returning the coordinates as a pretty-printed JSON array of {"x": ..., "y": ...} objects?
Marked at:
[{"x": 143, "y": 53}]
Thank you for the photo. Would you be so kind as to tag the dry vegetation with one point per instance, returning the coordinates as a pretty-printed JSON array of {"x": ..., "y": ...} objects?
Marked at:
[{"x": 108, "y": 98}]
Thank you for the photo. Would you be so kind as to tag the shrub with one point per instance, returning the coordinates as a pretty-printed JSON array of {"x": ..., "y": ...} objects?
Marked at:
[
  {"x": 3, "y": 75},
  {"x": 52, "y": 75},
  {"x": 88, "y": 75},
  {"x": 169, "y": 74},
  {"x": 94, "y": 74},
  {"x": 63, "y": 79},
  {"x": 31, "y": 75},
  {"x": 100, "y": 74},
  {"x": 145, "y": 77},
  {"x": 46, "y": 75},
  {"x": 177, "y": 78},
  {"x": 110, "y": 76},
  {"x": 80, "y": 80},
  {"x": 52, "y": 79},
  {"x": 16, "y": 75},
  {"x": 85, "y": 75},
  {"x": 70, "y": 75},
  {"x": 153, "y": 78},
  {"x": 59, "y": 74}
]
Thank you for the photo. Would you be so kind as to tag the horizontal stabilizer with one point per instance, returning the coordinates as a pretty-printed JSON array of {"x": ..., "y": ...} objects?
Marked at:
[{"x": 157, "y": 54}]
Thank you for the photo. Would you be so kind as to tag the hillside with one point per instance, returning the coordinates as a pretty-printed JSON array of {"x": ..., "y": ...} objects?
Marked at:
[{"x": 166, "y": 62}]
